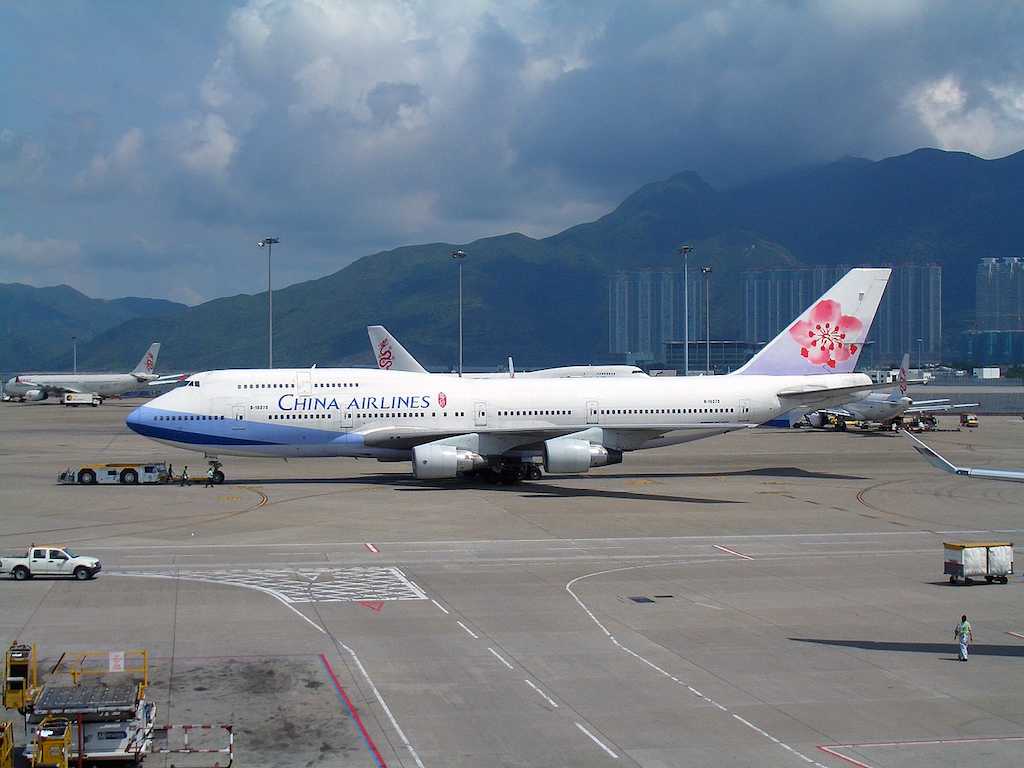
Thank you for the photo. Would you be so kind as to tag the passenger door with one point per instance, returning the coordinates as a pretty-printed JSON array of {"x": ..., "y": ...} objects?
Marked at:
[
  {"x": 58, "y": 562},
  {"x": 38, "y": 561},
  {"x": 238, "y": 416},
  {"x": 592, "y": 412},
  {"x": 480, "y": 414}
]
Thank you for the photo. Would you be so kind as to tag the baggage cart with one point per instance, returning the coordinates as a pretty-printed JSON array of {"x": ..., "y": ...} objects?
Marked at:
[{"x": 966, "y": 560}]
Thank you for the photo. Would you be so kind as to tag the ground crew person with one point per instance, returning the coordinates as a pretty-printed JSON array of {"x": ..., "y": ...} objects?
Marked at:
[
  {"x": 965, "y": 635},
  {"x": 184, "y": 476},
  {"x": 209, "y": 477}
]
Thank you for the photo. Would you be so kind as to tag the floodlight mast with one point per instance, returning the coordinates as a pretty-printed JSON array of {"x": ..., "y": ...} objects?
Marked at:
[{"x": 269, "y": 243}]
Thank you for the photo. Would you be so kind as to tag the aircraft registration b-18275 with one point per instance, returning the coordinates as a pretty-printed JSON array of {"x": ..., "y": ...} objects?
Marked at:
[
  {"x": 39, "y": 386},
  {"x": 884, "y": 408},
  {"x": 392, "y": 356},
  {"x": 508, "y": 428}
]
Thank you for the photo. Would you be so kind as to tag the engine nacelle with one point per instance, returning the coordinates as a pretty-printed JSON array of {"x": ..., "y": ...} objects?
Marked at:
[
  {"x": 566, "y": 455},
  {"x": 434, "y": 462},
  {"x": 35, "y": 395}
]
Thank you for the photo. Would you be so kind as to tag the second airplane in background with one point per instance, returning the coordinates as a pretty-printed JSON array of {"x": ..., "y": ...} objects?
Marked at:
[{"x": 392, "y": 356}]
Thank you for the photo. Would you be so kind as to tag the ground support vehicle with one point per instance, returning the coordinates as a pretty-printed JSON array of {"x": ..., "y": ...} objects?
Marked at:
[
  {"x": 117, "y": 473},
  {"x": 968, "y": 420},
  {"x": 992, "y": 560},
  {"x": 50, "y": 561},
  {"x": 75, "y": 399},
  {"x": 21, "y": 671},
  {"x": 6, "y": 744}
]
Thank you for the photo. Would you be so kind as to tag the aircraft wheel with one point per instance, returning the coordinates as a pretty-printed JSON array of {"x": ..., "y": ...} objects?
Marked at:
[{"x": 533, "y": 473}]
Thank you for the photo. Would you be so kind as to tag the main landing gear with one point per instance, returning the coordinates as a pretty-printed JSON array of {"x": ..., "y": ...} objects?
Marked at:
[{"x": 506, "y": 473}]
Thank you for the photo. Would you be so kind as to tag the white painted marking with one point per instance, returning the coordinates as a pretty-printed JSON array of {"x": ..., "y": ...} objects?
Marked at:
[
  {"x": 355, "y": 658},
  {"x": 1016, "y": 634},
  {"x": 709, "y": 605},
  {"x": 438, "y": 605},
  {"x": 660, "y": 670},
  {"x": 499, "y": 657},
  {"x": 372, "y": 548},
  {"x": 547, "y": 698},
  {"x": 738, "y": 536},
  {"x": 731, "y": 551},
  {"x": 597, "y": 741},
  {"x": 469, "y": 631}
]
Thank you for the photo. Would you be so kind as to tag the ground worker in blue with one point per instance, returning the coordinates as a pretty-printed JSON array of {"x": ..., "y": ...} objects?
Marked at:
[{"x": 965, "y": 635}]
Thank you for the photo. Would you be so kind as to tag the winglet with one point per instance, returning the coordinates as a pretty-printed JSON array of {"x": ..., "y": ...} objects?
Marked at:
[
  {"x": 148, "y": 362},
  {"x": 934, "y": 458},
  {"x": 389, "y": 354},
  {"x": 829, "y": 335}
]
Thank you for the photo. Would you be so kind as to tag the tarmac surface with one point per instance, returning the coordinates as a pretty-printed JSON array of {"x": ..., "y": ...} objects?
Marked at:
[{"x": 770, "y": 598}]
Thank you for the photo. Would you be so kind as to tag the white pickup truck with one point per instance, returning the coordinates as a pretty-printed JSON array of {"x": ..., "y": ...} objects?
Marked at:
[{"x": 50, "y": 561}]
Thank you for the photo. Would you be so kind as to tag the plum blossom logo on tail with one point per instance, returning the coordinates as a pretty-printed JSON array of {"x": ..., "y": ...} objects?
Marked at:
[
  {"x": 442, "y": 399},
  {"x": 149, "y": 362},
  {"x": 823, "y": 336}
]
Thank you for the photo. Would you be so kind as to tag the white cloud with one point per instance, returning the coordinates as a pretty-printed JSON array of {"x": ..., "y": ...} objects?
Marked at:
[
  {"x": 210, "y": 145},
  {"x": 988, "y": 122},
  {"x": 18, "y": 251},
  {"x": 121, "y": 160}
]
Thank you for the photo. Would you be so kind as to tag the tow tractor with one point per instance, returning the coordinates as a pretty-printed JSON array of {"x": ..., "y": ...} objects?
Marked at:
[
  {"x": 129, "y": 473},
  {"x": 101, "y": 717}
]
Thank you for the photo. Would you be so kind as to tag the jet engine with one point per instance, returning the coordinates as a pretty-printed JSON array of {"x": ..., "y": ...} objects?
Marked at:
[
  {"x": 567, "y": 455},
  {"x": 35, "y": 395},
  {"x": 434, "y": 462}
]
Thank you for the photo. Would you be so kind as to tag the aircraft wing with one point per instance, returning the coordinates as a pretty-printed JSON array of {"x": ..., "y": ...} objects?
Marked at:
[
  {"x": 936, "y": 460},
  {"x": 937, "y": 407},
  {"x": 169, "y": 378},
  {"x": 821, "y": 395}
]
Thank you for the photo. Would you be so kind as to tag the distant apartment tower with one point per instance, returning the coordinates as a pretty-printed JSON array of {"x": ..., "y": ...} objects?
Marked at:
[
  {"x": 999, "y": 295},
  {"x": 645, "y": 310},
  {"x": 911, "y": 308}
]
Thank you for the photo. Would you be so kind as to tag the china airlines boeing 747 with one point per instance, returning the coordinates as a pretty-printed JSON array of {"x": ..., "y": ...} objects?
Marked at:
[{"x": 509, "y": 428}]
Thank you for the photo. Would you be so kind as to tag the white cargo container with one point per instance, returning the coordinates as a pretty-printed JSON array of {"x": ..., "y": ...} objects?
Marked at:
[{"x": 965, "y": 560}]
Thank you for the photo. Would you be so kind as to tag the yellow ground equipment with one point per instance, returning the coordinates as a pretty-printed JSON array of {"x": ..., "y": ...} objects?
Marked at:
[
  {"x": 20, "y": 676},
  {"x": 52, "y": 743},
  {"x": 6, "y": 744}
]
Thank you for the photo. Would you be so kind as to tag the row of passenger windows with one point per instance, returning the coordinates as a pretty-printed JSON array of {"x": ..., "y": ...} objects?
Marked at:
[
  {"x": 624, "y": 411},
  {"x": 533, "y": 413},
  {"x": 189, "y": 418},
  {"x": 316, "y": 385}
]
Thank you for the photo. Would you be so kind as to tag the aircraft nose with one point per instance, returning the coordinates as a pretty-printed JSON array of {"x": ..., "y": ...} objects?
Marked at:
[{"x": 135, "y": 419}]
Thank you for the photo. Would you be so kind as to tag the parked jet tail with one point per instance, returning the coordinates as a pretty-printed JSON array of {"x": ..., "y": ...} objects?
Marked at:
[
  {"x": 829, "y": 335},
  {"x": 390, "y": 354},
  {"x": 148, "y": 362}
]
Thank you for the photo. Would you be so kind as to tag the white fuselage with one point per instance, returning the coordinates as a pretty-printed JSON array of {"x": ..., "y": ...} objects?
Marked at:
[
  {"x": 383, "y": 414},
  {"x": 103, "y": 384}
]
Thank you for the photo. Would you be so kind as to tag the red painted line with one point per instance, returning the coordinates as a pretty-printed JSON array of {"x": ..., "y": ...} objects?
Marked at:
[
  {"x": 1016, "y": 634},
  {"x": 732, "y": 551},
  {"x": 841, "y": 756},
  {"x": 372, "y": 548},
  {"x": 355, "y": 714}
]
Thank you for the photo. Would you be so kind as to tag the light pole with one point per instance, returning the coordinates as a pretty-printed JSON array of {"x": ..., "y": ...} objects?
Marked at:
[
  {"x": 706, "y": 271},
  {"x": 460, "y": 256},
  {"x": 684, "y": 251},
  {"x": 269, "y": 242},
  {"x": 920, "y": 356},
  {"x": 74, "y": 347}
]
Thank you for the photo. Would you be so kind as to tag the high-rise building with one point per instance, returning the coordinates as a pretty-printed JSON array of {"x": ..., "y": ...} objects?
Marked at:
[
  {"x": 645, "y": 310},
  {"x": 911, "y": 309},
  {"x": 999, "y": 295}
]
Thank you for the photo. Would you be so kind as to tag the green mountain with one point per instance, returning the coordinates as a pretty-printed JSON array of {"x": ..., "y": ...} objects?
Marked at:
[
  {"x": 545, "y": 300},
  {"x": 37, "y": 324}
]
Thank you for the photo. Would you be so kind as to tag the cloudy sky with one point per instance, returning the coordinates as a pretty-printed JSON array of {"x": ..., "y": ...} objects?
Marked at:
[{"x": 146, "y": 146}]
